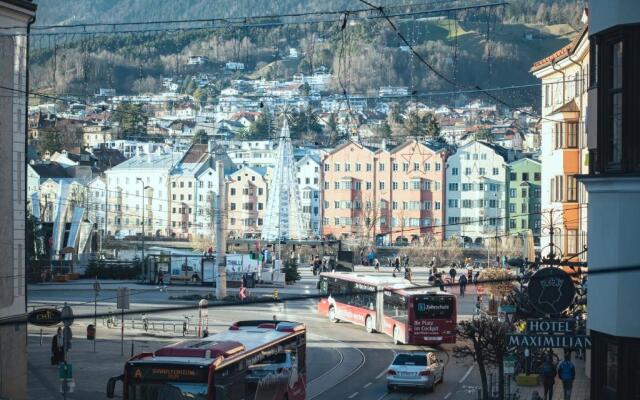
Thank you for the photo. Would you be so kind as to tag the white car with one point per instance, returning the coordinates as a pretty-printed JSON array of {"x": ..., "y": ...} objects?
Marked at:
[{"x": 415, "y": 369}]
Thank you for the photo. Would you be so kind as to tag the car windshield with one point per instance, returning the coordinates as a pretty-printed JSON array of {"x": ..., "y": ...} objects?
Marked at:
[
  {"x": 168, "y": 391},
  {"x": 410, "y": 359}
]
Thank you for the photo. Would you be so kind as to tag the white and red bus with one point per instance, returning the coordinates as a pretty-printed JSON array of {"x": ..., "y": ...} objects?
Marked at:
[
  {"x": 252, "y": 360},
  {"x": 395, "y": 306}
]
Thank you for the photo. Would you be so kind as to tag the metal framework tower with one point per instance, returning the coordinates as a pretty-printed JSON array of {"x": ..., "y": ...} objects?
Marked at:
[{"x": 283, "y": 219}]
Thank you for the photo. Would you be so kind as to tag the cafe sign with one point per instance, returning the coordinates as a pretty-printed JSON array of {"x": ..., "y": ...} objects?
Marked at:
[{"x": 45, "y": 317}]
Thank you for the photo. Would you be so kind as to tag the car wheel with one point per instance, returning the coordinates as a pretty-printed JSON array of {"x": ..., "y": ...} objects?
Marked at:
[
  {"x": 332, "y": 314},
  {"x": 368, "y": 324},
  {"x": 390, "y": 388}
]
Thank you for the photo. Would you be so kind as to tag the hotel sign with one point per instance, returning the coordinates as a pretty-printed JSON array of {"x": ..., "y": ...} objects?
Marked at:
[
  {"x": 564, "y": 326},
  {"x": 551, "y": 291},
  {"x": 550, "y": 341}
]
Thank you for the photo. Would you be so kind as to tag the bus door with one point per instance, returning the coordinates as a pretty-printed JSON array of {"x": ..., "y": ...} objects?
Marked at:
[{"x": 379, "y": 309}]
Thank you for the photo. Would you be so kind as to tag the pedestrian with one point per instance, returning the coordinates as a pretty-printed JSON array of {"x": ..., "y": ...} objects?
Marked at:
[
  {"x": 476, "y": 277},
  {"x": 478, "y": 305},
  {"x": 567, "y": 373},
  {"x": 57, "y": 348},
  {"x": 548, "y": 377},
  {"x": 362, "y": 256},
  {"x": 463, "y": 284},
  {"x": 377, "y": 265},
  {"x": 396, "y": 265},
  {"x": 452, "y": 274},
  {"x": 469, "y": 273},
  {"x": 405, "y": 260},
  {"x": 161, "y": 278},
  {"x": 439, "y": 283}
]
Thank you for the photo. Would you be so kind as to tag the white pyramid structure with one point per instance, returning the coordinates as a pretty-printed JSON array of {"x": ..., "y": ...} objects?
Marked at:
[{"x": 283, "y": 219}]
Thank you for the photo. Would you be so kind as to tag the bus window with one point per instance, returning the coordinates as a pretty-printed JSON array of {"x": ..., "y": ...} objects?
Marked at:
[
  {"x": 168, "y": 391},
  {"x": 433, "y": 307},
  {"x": 395, "y": 306}
]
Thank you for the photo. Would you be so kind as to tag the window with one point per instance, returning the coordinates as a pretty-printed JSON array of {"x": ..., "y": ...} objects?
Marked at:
[
  {"x": 572, "y": 135},
  {"x": 358, "y": 167},
  {"x": 405, "y": 167},
  {"x": 336, "y": 185},
  {"x": 368, "y": 167},
  {"x": 232, "y": 206},
  {"x": 381, "y": 167},
  {"x": 483, "y": 156},
  {"x": 358, "y": 185},
  {"x": 260, "y": 206},
  {"x": 438, "y": 185},
  {"x": 467, "y": 171},
  {"x": 405, "y": 185},
  {"x": 453, "y": 187},
  {"x": 512, "y": 207},
  {"x": 368, "y": 185},
  {"x": 394, "y": 205},
  {"x": 233, "y": 192},
  {"x": 467, "y": 204},
  {"x": 436, "y": 205},
  {"x": 482, "y": 171},
  {"x": 336, "y": 167},
  {"x": 427, "y": 167},
  {"x": 426, "y": 205},
  {"x": 492, "y": 203},
  {"x": 416, "y": 166},
  {"x": 512, "y": 224},
  {"x": 572, "y": 188},
  {"x": 454, "y": 171},
  {"x": 326, "y": 185},
  {"x": 394, "y": 185},
  {"x": 326, "y": 167},
  {"x": 394, "y": 166},
  {"x": 513, "y": 176},
  {"x": 336, "y": 204},
  {"x": 438, "y": 166},
  {"x": 496, "y": 171},
  {"x": 558, "y": 143},
  {"x": 260, "y": 191},
  {"x": 427, "y": 185},
  {"x": 174, "y": 197},
  {"x": 452, "y": 203},
  {"x": 347, "y": 167},
  {"x": 523, "y": 192},
  {"x": 513, "y": 193},
  {"x": 536, "y": 176}
]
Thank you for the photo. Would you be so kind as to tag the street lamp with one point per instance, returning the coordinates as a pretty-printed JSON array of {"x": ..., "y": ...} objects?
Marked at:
[{"x": 143, "y": 216}]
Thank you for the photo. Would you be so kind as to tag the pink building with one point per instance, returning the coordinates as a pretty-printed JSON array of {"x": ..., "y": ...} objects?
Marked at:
[{"x": 386, "y": 195}]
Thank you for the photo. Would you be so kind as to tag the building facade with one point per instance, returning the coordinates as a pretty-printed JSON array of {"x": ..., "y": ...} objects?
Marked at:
[
  {"x": 308, "y": 176},
  {"x": 246, "y": 202},
  {"x": 17, "y": 16},
  {"x": 476, "y": 192},
  {"x": 384, "y": 195},
  {"x": 523, "y": 203},
  {"x": 564, "y": 153},
  {"x": 613, "y": 185}
]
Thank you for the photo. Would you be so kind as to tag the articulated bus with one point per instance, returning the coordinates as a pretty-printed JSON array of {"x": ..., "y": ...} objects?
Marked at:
[
  {"x": 252, "y": 360},
  {"x": 394, "y": 306}
]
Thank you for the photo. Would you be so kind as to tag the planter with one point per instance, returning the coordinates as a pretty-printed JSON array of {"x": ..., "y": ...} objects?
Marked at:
[{"x": 528, "y": 380}]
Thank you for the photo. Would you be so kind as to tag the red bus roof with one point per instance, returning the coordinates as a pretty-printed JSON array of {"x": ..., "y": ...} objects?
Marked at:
[
  {"x": 374, "y": 280},
  {"x": 242, "y": 338}
]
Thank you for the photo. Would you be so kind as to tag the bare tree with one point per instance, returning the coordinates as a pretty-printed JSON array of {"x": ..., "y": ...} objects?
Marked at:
[{"x": 485, "y": 341}]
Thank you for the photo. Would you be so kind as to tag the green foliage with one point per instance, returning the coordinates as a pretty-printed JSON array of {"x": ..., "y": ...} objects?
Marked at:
[
  {"x": 131, "y": 118},
  {"x": 51, "y": 142},
  {"x": 384, "y": 130},
  {"x": 305, "y": 122},
  {"x": 200, "y": 137},
  {"x": 261, "y": 127},
  {"x": 484, "y": 134},
  {"x": 421, "y": 124},
  {"x": 290, "y": 269}
]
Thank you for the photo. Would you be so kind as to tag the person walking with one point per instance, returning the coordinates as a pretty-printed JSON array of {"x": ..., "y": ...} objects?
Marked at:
[
  {"x": 439, "y": 283},
  {"x": 377, "y": 265},
  {"x": 548, "y": 377},
  {"x": 57, "y": 348},
  {"x": 161, "y": 278},
  {"x": 567, "y": 373},
  {"x": 396, "y": 265},
  {"x": 462, "y": 282},
  {"x": 476, "y": 277},
  {"x": 452, "y": 274}
]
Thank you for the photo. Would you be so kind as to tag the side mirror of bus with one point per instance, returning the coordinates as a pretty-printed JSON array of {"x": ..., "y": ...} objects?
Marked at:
[{"x": 111, "y": 386}]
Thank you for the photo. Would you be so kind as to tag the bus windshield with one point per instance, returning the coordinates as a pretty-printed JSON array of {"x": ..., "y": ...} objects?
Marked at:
[
  {"x": 168, "y": 391},
  {"x": 433, "y": 307}
]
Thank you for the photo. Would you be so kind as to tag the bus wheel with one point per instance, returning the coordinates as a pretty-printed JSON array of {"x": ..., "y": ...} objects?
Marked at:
[
  {"x": 396, "y": 335},
  {"x": 368, "y": 324},
  {"x": 332, "y": 314}
]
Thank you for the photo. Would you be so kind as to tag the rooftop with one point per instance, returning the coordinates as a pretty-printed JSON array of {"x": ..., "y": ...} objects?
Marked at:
[{"x": 149, "y": 161}]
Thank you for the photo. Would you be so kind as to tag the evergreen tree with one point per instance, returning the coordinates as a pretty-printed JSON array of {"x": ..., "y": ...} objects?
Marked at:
[
  {"x": 200, "y": 137},
  {"x": 131, "y": 119},
  {"x": 261, "y": 127}
]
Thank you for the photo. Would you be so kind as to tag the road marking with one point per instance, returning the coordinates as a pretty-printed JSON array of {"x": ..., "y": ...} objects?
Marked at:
[
  {"x": 367, "y": 385},
  {"x": 447, "y": 396},
  {"x": 354, "y": 395},
  {"x": 466, "y": 374},
  {"x": 383, "y": 396}
]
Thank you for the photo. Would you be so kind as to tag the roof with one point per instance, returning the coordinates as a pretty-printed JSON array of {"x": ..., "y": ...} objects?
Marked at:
[
  {"x": 561, "y": 53},
  {"x": 242, "y": 337},
  {"x": 376, "y": 280},
  {"x": 149, "y": 161},
  {"x": 571, "y": 106},
  {"x": 50, "y": 170},
  {"x": 26, "y": 4},
  {"x": 195, "y": 153}
]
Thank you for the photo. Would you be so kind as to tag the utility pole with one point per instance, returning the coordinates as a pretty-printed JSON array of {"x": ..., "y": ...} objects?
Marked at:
[{"x": 220, "y": 266}]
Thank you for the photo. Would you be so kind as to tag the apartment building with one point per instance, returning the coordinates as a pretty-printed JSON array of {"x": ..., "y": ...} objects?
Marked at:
[
  {"x": 476, "y": 192},
  {"x": 141, "y": 182},
  {"x": 246, "y": 202},
  {"x": 15, "y": 18},
  {"x": 564, "y": 154},
  {"x": 384, "y": 195},
  {"x": 523, "y": 202},
  {"x": 308, "y": 176},
  {"x": 97, "y": 203},
  {"x": 613, "y": 184},
  {"x": 96, "y": 135}
]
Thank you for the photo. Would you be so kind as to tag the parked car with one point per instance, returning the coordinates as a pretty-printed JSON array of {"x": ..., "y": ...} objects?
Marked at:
[{"x": 415, "y": 369}]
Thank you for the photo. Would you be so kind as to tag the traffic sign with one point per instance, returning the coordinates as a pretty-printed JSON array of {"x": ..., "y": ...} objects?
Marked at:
[
  {"x": 65, "y": 371},
  {"x": 243, "y": 293}
]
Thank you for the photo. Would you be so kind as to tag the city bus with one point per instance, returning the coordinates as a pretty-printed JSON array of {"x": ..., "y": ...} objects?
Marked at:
[
  {"x": 394, "y": 306},
  {"x": 251, "y": 360}
]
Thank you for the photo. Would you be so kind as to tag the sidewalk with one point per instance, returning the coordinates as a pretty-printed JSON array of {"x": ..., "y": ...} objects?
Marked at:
[{"x": 581, "y": 385}]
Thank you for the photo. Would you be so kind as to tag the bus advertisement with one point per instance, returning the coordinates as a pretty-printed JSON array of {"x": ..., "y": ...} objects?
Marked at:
[
  {"x": 251, "y": 360},
  {"x": 394, "y": 306}
]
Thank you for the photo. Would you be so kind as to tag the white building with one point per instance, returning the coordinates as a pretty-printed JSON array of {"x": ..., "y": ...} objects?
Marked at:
[
  {"x": 476, "y": 192},
  {"x": 97, "y": 204},
  {"x": 253, "y": 153},
  {"x": 143, "y": 179},
  {"x": 308, "y": 175},
  {"x": 16, "y": 15}
]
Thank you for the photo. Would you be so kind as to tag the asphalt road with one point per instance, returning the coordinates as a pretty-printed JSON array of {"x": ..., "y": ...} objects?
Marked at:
[{"x": 344, "y": 362}]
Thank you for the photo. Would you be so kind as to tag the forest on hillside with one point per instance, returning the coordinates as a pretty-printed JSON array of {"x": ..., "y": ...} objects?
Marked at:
[{"x": 487, "y": 47}]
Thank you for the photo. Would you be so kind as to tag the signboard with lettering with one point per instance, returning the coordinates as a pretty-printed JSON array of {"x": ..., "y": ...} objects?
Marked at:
[
  {"x": 550, "y": 341},
  {"x": 163, "y": 372},
  {"x": 551, "y": 290},
  {"x": 551, "y": 326},
  {"x": 45, "y": 317}
]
